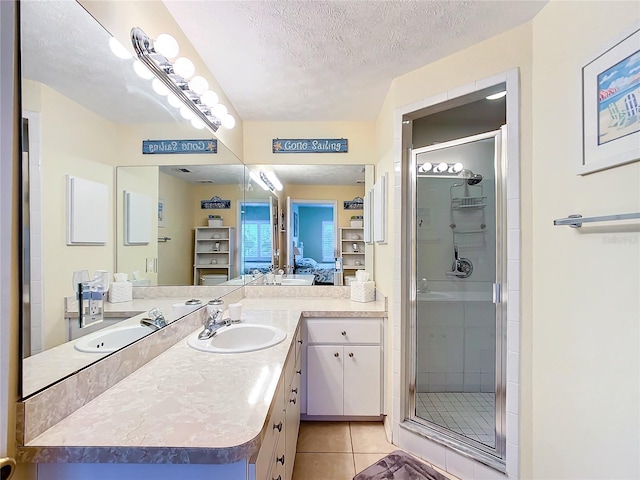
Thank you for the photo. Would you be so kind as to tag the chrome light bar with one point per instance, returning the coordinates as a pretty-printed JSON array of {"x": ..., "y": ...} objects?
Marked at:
[{"x": 162, "y": 68}]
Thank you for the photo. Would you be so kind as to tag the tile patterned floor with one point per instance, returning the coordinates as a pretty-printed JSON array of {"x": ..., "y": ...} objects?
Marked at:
[
  {"x": 339, "y": 450},
  {"x": 470, "y": 414}
]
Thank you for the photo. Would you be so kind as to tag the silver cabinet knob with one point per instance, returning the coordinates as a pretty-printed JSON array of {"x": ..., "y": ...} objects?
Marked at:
[
  {"x": 293, "y": 400},
  {"x": 281, "y": 459},
  {"x": 336, "y": 354},
  {"x": 344, "y": 333},
  {"x": 278, "y": 426},
  {"x": 300, "y": 341},
  {"x": 294, "y": 390},
  {"x": 351, "y": 354},
  {"x": 299, "y": 372}
]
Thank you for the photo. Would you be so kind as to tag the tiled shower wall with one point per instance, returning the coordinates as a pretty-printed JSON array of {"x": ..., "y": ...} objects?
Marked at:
[{"x": 456, "y": 347}]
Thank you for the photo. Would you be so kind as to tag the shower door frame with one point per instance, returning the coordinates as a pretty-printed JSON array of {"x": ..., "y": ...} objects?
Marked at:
[{"x": 494, "y": 457}]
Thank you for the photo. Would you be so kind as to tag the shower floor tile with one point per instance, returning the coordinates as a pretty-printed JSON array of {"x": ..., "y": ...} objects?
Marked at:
[{"x": 469, "y": 414}]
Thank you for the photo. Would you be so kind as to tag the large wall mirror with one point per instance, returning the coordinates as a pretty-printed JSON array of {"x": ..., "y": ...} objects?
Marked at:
[
  {"x": 198, "y": 224},
  {"x": 318, "y": 218},
  {"x": 85, "y": 115}
]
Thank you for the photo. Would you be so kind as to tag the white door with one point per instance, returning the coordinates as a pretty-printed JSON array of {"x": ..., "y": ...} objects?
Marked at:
[
  {"x": 362, "y": 380},
  {"x": 324, "y": 380}
]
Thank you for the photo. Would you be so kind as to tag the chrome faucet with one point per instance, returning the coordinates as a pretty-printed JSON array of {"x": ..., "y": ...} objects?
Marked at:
[
  {"x": 155, "y": 320},
  {"x": 211, "y": 324}
]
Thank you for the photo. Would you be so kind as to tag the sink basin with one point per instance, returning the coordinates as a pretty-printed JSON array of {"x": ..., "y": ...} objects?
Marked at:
[
  {"x": 111, "y": 340},
  {"x": 239, "y": 338},
  {"x": 295, "y": 281},
  {"x": 434, "y": 296}
]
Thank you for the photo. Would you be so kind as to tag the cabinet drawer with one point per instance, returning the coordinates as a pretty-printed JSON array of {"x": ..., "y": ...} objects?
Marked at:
[
  {"x": 340, "y": 331},
  {"x": 292, "y": 365},
  {"x": 275, "y": 424}
]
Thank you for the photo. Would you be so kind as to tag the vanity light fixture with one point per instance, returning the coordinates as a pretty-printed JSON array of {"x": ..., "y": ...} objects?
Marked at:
[
  {"x": 273, "y": 179},
  {"x": 256, "y": 178},
  {"x": 197, "y": 103},
  {"x": 441, "y": 169},
  {"x": 267, "y": 180}
]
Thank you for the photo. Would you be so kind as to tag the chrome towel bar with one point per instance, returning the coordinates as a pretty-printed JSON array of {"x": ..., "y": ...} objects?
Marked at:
[
  {"x": 164, "y": 239},
  {"x": 576, "y": 221}
]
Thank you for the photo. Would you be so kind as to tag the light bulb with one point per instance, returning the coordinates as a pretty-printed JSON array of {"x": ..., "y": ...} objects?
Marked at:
[
  {"x": 199, "y": 84},
  {"x": 256, "y": 178},
  {"x": 118, "y": 49},
  {"x": 197, "y": 123},
  {"x": 273, "y": 179},
  {"x": 142, "y": 70},
  {"x": 174, "y": 101},
  {"x": 496, "y": 96},
  {"x": 159, "y": 87},
  {"x": 458, "y": 167},
  {"x": 209, "y": 98},
  {"x": 186, "y": 112},
  {"x": 184, "y": 67},
  {"x": 229, "y": 122},
  {"x": 426, "y": 167},
  {"x": 442, "y": 167},
  {"x": 166, "y": 45},
  {"x": 219, "y": 111}
]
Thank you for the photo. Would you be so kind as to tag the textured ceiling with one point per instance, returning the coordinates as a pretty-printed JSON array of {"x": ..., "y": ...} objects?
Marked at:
[
  {"x": 66, "y": 49},
  {"x": 276, "y": 60},
  {"x": 331, "y": 60},
  {"x": 288, "y": 174}
]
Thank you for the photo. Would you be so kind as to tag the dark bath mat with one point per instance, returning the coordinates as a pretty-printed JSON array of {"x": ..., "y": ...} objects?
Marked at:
[{"x": 399, "y": 465}]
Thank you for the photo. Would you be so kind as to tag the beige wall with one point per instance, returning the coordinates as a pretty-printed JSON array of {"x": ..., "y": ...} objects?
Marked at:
[
  {"x": 175, "y": 256},
  {"x": 510, "y": 50},
  {"x": 74, "y": 141},
  {"x": 132, "y": 258},
  {"x": 585, "y": 364},
  {"x": 259, "y": 135},
  {"x": 229, "y": 216}
]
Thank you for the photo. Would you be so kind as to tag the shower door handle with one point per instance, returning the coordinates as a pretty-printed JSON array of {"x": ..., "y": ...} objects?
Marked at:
[{"x": 497, "y": 293}]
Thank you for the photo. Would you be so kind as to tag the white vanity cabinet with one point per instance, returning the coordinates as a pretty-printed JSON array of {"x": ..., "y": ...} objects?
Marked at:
[{"x": 344, "y": 365}]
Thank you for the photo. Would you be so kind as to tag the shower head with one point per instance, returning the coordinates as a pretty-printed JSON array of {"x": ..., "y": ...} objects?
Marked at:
[{"x": 470, "y": 177}]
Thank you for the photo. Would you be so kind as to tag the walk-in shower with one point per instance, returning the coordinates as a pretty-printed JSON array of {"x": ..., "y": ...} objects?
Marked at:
[{"x": 456, "y": 365}]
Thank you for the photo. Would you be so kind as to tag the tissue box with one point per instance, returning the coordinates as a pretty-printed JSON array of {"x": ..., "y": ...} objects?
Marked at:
[
  {"x": 363, "y": 291},
  {"x": 120, "y": 292}
]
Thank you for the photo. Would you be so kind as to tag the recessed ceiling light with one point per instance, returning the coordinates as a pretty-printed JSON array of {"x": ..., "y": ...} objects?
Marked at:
[{"x": 496, "y": 96}]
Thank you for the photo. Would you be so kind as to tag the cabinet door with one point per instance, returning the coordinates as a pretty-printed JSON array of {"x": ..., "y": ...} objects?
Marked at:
[
  {"x": 362, "y": 380},
  {"x": 324, "y": 380}
]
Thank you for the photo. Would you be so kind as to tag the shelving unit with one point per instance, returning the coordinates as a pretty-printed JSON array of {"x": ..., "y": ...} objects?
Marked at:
[
  {"x": 353, "y": 259},
  {"x": 214, "y": 252},
  {"x": 468, "y": 223}
]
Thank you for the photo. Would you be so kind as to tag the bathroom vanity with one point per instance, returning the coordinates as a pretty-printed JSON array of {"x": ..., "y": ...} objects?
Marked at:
[{"x": 193, "y": 414}]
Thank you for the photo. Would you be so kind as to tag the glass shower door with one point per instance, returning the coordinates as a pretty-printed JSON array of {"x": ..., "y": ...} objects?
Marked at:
[{"x": 457, "y": 273}]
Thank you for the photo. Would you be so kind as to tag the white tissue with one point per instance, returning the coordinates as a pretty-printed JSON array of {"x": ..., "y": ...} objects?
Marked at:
[
  {"x": 362, "y": 276},
  {"x": 135, "y": 275},
  {"x": 120, "y": 277}
]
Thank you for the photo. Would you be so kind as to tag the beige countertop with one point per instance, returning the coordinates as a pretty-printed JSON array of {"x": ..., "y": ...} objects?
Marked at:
[
  {"x": 187, "y": 406},
  {"x": 49, "y": 366}
]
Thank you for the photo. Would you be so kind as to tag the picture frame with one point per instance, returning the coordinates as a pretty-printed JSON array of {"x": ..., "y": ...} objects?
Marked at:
[
  {"x": 161, "y": 212},
  {"x": 611, "y": 104}
]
